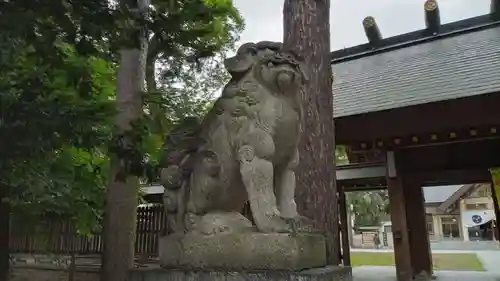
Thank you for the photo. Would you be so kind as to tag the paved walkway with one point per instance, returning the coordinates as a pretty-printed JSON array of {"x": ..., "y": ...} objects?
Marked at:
[
  {"x": 465, "y": 245},
  {"x": 434, "y": 251},
  {"x": 489, "y": 259},
  {"x": 383, "y": 273}
]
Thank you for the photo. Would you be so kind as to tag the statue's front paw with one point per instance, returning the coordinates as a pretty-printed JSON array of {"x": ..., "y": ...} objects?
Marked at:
[
  {"x": 221, "y": 229},
  {"x": 304, "y": 224},
  {"x": 274, "y": 224}
]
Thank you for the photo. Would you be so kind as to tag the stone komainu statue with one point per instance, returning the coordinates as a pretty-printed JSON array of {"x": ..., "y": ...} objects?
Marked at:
[{"x": 245, "y": 150}]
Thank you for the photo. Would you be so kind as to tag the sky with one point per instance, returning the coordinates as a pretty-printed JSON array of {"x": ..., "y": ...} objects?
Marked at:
[{"x": 263, "y": 18}]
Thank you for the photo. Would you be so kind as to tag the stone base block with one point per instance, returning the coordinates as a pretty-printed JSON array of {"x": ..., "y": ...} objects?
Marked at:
[
  {"x": 329, "y": 273},
  {"x": 243, "y": 251}
]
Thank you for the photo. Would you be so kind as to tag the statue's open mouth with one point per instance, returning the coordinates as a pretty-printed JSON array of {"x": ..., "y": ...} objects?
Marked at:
[
  {"x": 285, "y": 67},
  {"x": 287, "y": 79},
  {"x": 285, "y": 64}
]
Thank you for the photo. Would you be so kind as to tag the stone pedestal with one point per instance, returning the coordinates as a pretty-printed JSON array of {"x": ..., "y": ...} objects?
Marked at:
[
  {"x": 329, "y": 273},
  {"x": 243, "y": 251}
]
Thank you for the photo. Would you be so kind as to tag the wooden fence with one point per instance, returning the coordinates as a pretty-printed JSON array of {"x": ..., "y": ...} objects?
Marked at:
[{"x": 61, "y": 237}]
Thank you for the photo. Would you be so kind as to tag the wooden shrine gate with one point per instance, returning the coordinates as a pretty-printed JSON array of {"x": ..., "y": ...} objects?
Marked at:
[{"x": 418, "y": 109}]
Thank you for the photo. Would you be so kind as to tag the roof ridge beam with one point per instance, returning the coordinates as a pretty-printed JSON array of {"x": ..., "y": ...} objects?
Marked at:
[
  {"x": 432, "y": 16},
  {"x": 495, "y": 9},
  {"x": 372, "y": 31}
]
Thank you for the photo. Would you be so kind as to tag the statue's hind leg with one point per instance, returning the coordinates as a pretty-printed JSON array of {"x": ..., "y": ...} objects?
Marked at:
[
  {"x": 205, "y": 189},
  {"x": 203, "y": 181},
  {"x": 257, "y": 175}
]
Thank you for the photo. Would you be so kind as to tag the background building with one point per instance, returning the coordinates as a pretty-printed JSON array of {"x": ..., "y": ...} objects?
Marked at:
[
  {"x": 459, "y": 213},
  {"x": 462, "y": 212}
]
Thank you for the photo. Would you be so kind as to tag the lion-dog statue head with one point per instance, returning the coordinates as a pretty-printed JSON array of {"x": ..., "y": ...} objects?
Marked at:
[{"x": 279, "y": 70}]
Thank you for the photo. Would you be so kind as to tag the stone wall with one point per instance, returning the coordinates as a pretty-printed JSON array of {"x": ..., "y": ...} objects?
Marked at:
[
  {"x": 46, "y": 273},
  {"x": 329, "y": 273},
  {"x": 51, "y": 273}
]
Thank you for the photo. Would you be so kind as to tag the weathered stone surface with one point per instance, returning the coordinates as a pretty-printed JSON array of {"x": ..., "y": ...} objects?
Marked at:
[
  {"x": 51, "y": 273},
  {"x": 329, "y": 273},
  {"x": 251, "y": 250},
  {"x": 223, "y": 222},
  {"x": 45, "y": 273}
]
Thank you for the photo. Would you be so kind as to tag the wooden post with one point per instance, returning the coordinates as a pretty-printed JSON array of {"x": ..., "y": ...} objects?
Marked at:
[
  {"x": 344, "y": 227},
  {"x": 397, "y": 208},
  {"x": 421, "y": 257},
  {"x": 4, "y": 233},
  {"x": 72, "y": 267},
  {"x": 496, "y": 208}
]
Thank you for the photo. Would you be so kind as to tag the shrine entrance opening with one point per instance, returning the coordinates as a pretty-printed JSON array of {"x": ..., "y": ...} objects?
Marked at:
[{"x": 406, "y": 173}]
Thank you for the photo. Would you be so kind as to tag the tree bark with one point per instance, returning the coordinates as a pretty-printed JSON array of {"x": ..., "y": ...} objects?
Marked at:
[
  {"x": 122, "y": 194},
  {"x": 4, "y": 233},
  {"x": 306, "y": 26}
]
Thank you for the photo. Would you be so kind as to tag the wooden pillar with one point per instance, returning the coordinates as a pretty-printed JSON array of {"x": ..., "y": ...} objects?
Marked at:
[
  {"x": 344, "y": 227},
  {"x": 497, "y": 210},
  {"x": 397, "y": 208},
  {"x": 4, "y": 233},
  {"x": 420, "y": 251}
]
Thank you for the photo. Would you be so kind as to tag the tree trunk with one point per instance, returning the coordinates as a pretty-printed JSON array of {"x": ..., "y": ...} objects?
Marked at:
[
  {"x": 122, "y": 194},
  {"x": 306, "y": 26},
  {"x": 4, "y": 233}
]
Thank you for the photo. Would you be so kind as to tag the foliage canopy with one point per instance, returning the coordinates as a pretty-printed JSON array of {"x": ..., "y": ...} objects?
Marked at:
[
  {"x": 54, "y": 119},
  {"x": 57, "y": 88}
]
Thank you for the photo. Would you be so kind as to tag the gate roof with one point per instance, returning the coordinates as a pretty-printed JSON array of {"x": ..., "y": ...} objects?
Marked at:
[{"x": 462, "y": 60}]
